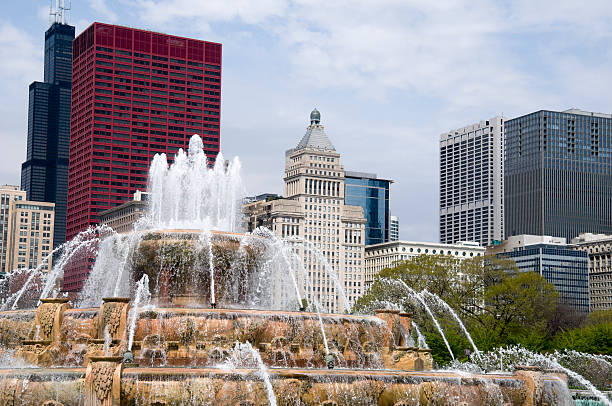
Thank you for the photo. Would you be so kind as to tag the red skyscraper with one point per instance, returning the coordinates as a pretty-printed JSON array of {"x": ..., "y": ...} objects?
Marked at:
[{"x": 135, "y": 93}]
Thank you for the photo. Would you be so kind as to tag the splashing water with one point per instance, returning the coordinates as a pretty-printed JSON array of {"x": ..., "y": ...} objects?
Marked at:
[
  {"x": 438, "y": 299},
  {"x": 331, "y": 273},
  {"x": 189, "y": 195},
  {"x": 517, "y": 355},
  {"x": 421, "y": 342},
  {"x": 240, "y": 358},
  {"x": 107, "y": 341},
  {"x": 85, "y": 241},
  {"x": 143, "y": 297},
  {"x": 413, "y": 294}
]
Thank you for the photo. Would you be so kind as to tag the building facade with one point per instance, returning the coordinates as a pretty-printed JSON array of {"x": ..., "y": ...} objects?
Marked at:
[
  {"x": 394, "y": 229},
  {"x": 558, "y": 174},
  {"x": 8, "y": 194},
  {"x": 552, "y": 258},
  {"x": 26, "y": 230},
  {"x": 122, "y": 218},
  {"x": 372, "y": 195},
  {"x": 30, "y": 234},
  {"x": 44, "y": 174},
  {"x": 135, "y": 94},
  {"x": 599, "y": 249},
  {"x": 315, "y": 212},
  {"x": 472, "y": 183},
  {"x": 381, "y": 256}
]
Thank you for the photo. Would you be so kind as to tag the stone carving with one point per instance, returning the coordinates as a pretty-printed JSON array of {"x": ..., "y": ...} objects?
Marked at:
[
  {"x": 111, "y": 317},
  {"x": 52, "y": 403},
  {"x": 102, "y": 378},
  {"x": 46, "y": 316}
]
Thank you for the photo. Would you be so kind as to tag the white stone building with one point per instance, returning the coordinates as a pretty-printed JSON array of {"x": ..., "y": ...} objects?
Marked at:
[
  {"x": 26, "y": 230},
  {"x": 313, "y": 210},
  {"x": 386, "y": 255},
  {"x": 472, "y": 183},
  {"x": 599, "y": 247}
]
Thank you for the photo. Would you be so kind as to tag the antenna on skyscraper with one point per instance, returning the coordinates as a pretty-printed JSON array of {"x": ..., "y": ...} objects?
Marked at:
[{"x": 58, "y": 11}]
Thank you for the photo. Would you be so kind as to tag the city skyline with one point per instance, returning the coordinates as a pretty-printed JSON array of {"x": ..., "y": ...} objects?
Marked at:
[{"x": 387, "y": 111}]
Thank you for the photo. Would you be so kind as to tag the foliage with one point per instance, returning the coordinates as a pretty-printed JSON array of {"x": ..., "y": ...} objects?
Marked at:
[
  {"x": 498, "y": 304},
  {"x": 594, "y": 336}
]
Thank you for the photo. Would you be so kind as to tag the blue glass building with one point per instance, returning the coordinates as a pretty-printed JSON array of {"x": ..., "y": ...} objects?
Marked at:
[
  {"x": 372, "y": 194},
  {"x": 558, "y": 174},
  {"x": 565, "y": 268},
  {"x": 44, "y": 174}
]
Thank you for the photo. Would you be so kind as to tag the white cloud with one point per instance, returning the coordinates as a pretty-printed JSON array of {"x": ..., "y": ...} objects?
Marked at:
[
  {"x": 103, "y": 10},
  {"x": 22, "y": 64}
]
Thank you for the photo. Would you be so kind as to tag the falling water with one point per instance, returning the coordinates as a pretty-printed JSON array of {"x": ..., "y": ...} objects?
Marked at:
[
  {"x": 281, "y": 248},
  {"x": 107, "y": 341},
  {"x": 421, "y": 342},
  {"x": 84, "y": 240},
  {"x": 331, "y": 273},
  {"x": 238, "y": 361},
  {"x": 143, "y": 296},
  {"x": 110, "y": 274},
  {"x": 416, "y": 296},
  {"x": 454, "y": 315}
]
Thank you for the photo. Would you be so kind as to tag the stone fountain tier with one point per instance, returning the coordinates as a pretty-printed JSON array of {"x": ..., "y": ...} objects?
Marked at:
[
  {"x": 177, "y": 263},
  {"x": 107, "y": 382},
  {"x": 180, "y": 357},
  {"x": 57, "y": 335}
]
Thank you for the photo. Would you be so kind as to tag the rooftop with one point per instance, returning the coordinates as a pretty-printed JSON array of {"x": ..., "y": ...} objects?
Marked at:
[{"x": 315, "y": 136}]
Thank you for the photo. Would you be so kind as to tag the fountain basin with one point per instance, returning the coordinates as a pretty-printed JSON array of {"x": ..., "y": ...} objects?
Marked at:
[
  {"x": 178, "y": 264},
  {"x": 207, "y": 386}
]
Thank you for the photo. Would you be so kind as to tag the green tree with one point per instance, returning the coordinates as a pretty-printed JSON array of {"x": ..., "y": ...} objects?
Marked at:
[{"x": 497, "y": 303}]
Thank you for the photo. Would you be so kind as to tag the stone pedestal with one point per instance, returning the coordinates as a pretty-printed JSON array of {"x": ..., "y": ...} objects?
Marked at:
[
  {"x": 103, "y": 381},
  {"x": 113, "y": 316}
]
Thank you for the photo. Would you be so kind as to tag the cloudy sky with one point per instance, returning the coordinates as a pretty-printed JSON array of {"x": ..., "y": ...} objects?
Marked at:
[{"x": 389, "y": 76}]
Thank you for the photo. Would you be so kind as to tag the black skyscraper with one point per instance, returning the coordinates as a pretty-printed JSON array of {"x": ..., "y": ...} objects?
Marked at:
[
  {"x": 558, "y": 174},
  {"x": 44, "y": 174}
]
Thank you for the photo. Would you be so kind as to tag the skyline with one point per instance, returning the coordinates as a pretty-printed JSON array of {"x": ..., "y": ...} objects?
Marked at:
[{"x": 384, "y": 115}]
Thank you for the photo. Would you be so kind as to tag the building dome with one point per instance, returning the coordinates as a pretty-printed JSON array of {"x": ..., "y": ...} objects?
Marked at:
[{"x": 315, "y": 117}]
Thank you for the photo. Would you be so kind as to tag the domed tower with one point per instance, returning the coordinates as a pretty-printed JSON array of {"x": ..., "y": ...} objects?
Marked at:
[
  {"x": 314, "y": 183},
  {"x": 315, "y": 117}
]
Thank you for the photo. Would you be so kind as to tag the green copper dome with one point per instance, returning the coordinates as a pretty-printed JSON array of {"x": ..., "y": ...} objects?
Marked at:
[{"x": 315, "y": 117}]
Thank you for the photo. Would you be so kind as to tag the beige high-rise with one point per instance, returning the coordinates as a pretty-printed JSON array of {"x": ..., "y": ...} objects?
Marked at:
[
  {"x": 314, "y": 211},
  {"x": 26, "y": 230}
]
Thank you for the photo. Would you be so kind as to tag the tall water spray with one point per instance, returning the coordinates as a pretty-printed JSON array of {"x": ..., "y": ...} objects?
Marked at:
[{"x": 190, "y": 195}]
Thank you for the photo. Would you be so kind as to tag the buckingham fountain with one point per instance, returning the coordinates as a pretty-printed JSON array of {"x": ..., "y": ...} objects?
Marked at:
[{"x": 186, "y": 310}]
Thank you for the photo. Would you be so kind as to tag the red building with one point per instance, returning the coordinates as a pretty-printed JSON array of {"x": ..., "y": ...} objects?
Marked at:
[{"x": 135, "y": 93}]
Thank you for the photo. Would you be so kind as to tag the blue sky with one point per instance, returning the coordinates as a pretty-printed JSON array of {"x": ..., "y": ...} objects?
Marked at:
[{"x": 389, "y": 76}]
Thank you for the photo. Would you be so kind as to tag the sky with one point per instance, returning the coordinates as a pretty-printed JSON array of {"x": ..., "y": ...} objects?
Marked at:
[{"x": 388, "y": 76}]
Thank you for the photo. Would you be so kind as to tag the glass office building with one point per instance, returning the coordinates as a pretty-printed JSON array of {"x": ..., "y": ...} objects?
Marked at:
[
  {"x": 372, "y": 194},
  {"x": 558, "y": 174},
  {"x": 565, "y": 268}
]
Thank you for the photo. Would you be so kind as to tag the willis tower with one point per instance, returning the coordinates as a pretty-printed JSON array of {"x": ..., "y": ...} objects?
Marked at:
[{"x": 44, "y": 174}]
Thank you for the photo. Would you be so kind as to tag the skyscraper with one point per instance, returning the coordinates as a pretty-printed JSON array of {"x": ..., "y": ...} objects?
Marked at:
[
  {"x": 471, "y": 183},
  {"x": 558, "y": 174},
  {"x": 44, "y": 174},
  {"x": 394, "y": 229},
  {"x": 372, "y": 194},
  {"x": 315, "y": 210},
  {"x": 135, "y": 93}
]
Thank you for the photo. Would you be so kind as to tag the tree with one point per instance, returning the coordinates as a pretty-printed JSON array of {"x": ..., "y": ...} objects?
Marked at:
[{"x": 498, "y": 304}]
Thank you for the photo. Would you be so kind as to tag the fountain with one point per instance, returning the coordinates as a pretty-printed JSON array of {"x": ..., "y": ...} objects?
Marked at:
[{"x": 171, "y": 311}]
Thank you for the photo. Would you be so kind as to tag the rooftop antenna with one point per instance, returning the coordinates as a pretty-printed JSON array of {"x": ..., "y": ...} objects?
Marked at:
[{"x": 58, "y": 11}]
